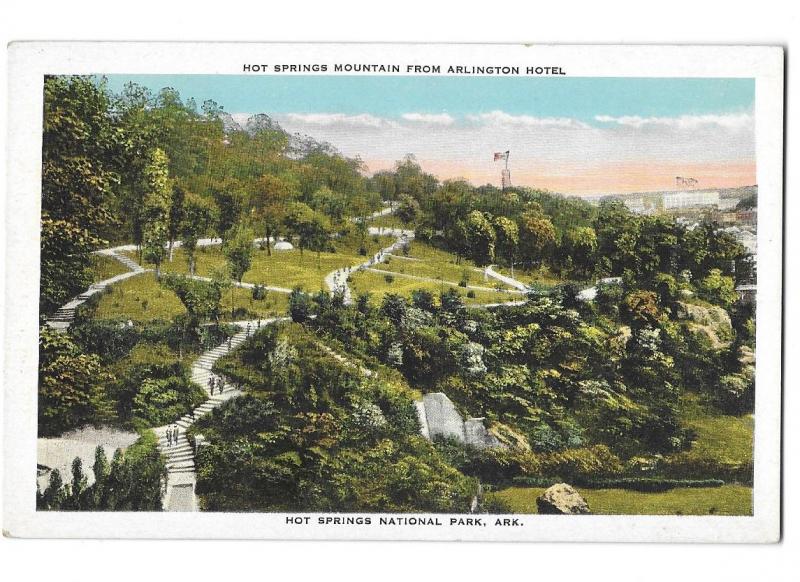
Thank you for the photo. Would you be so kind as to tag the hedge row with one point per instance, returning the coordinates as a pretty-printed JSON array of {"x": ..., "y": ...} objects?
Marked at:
[{"x": 644, "y": 484}]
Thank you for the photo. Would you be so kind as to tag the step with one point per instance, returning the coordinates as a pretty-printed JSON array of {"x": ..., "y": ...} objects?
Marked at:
[
  {"x": 187, "y": 456},
  {"x": 172, "y": 451},
  {"x": 180, "y": 463},
  {"x": 178, "y": 450}
]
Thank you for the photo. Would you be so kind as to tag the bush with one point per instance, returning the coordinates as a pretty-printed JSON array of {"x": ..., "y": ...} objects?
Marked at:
[
  {"x": 299, "y": 305},
  {"x": 154, "y": 363},
  {"x": 471, "y": 294},
  {"x": 259, "y": 292},
  {"x": 650, "y": 485}
]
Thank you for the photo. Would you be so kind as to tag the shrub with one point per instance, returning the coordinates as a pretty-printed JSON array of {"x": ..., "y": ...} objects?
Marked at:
[
  {"x": 471, "y": 294},
  {"x": 259, "y": 292},
  {"x": 299, "y": 305},
  {"x": 649, "y": 484},
  {"x": 389, "y": 278}
]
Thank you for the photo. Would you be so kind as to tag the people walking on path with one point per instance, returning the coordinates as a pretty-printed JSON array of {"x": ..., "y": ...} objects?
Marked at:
[
  {"x": 169, "y": 436},
  {"x": 211, "y": 383},
  {"x": 247, "y": 332},
  {"x": 221, "y": 384},
  {"x": 175, "y": 433},
  {"x": 229, "y": 343}
]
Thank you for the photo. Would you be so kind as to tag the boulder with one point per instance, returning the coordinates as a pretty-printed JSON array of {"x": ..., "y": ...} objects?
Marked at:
[
  {"x": 283, "y": 245},
  {"x": 562, "y": 499}
]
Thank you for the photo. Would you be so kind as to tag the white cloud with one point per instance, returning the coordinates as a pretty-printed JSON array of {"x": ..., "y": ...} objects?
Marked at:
[
  {"x": 429, "y": 118},
  {"x": 501, "y": 118},
  {"x": 341, "y": 119},
  {"x": 732, "y": 121}
]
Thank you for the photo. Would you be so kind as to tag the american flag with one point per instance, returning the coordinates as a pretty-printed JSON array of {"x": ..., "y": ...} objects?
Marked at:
[{"x": 501, "y": 155}]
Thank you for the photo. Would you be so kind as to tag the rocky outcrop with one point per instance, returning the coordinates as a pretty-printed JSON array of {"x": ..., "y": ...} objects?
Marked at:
[
  {"x": 710, "y": 321},
  {"x": 438, "y": 417},
  {"x": 562, "y": 499}
]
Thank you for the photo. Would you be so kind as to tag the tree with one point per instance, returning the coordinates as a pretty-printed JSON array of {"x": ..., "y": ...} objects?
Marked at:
[
  {"x": 507, "y": 233},
  {"x": 617, "y": 230},
  {"x": 537, "y": 236},
  {"x": 299, "y": 305},
  {"x": 177, "y": 212},
  {"x": 312, "y": 229},
  {"x": 65, "y": 262},
  {"x": 269, "y": 200},
  {"x": 480, "y": 237},
  {"x": 718, "y": 289},
  {"x": 80, "y": 172},
  {"x": 71, "y": 384},
  {"x": 329, "y": 203},
  {"x": 156, "y": 209},
  {"x": 238, "y": 251},
  {"x": 408, "y": 209},
  {"x": 201, "y": 299},
  {"x": 101, "y": 469},
  {"x": 580, "y": 244},
  {"x": 229, "y": 197},
  {"x": 198, "y": 218}
]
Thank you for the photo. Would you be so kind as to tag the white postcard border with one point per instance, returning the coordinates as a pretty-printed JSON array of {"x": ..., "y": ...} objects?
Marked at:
[{"x": 29, "y": 62}]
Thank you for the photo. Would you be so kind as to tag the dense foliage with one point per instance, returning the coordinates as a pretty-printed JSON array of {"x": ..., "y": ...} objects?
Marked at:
[
  {"x": 132, "y": 481},
  {"x": 314, "y": 433}
]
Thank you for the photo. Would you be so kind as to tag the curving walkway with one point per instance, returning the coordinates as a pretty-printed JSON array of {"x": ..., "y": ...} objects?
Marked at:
[
  {"x": 336, "y": 281},
  {"x": 451, "y": 283},
  {"x": 510, "y": 281}
]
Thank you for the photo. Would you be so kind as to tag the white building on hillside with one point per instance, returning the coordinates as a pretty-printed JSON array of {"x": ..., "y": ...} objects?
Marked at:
[{"x": 679, "y": 200}]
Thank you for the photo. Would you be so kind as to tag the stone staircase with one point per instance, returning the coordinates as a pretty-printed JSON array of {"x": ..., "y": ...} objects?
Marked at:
[
  {"x": 127, "y": 261},
  {"x": 65, "y": 314},
  {"x": 181, "y": 476}
]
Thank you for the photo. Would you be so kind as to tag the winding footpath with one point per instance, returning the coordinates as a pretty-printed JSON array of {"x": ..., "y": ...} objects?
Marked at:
[
  {"x": 65, "y": 315},
  {"x": 179, "y": 493},
  {"x": 336, "y": 281}
]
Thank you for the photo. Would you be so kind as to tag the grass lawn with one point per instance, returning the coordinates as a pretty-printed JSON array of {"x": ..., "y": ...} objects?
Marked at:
[
  {"x": 434, "y": 263},
  {"x": 105, "y": 267},
  {"x": 388, "y": 221},
  {"x": 721, "y": 440},
  {"x": 376, "y": 284},
  {"x": 282, "y": 268},
  {"x": 141, "y": 298},
  {"x": 537, "y": 277},
  {"x": 725, "y": 500}
]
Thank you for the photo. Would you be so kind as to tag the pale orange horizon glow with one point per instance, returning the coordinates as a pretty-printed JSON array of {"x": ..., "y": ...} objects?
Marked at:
[{"x": 594, "y": 179}]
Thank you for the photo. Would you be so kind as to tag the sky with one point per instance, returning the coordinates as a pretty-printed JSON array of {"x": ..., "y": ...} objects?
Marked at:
[{"x": 566, "y": 134}]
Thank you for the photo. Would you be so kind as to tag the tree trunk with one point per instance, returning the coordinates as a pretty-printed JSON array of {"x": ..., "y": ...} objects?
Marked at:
[{"x": 171, "y": 249}]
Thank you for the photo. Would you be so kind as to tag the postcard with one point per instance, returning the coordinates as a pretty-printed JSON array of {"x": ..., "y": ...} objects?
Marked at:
[{"x": 394, "y": 292}]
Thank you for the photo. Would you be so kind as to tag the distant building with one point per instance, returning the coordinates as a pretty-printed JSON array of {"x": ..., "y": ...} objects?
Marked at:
[
  {"x": 749, "y": 217},
  {"x": 747, "y": 293},
  {"x": 695, "y": 198},
  {"x": 727, "y": 203}
]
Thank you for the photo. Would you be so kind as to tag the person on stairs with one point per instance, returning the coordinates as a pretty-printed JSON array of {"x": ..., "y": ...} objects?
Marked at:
[{"x": 168, "y": 434}]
